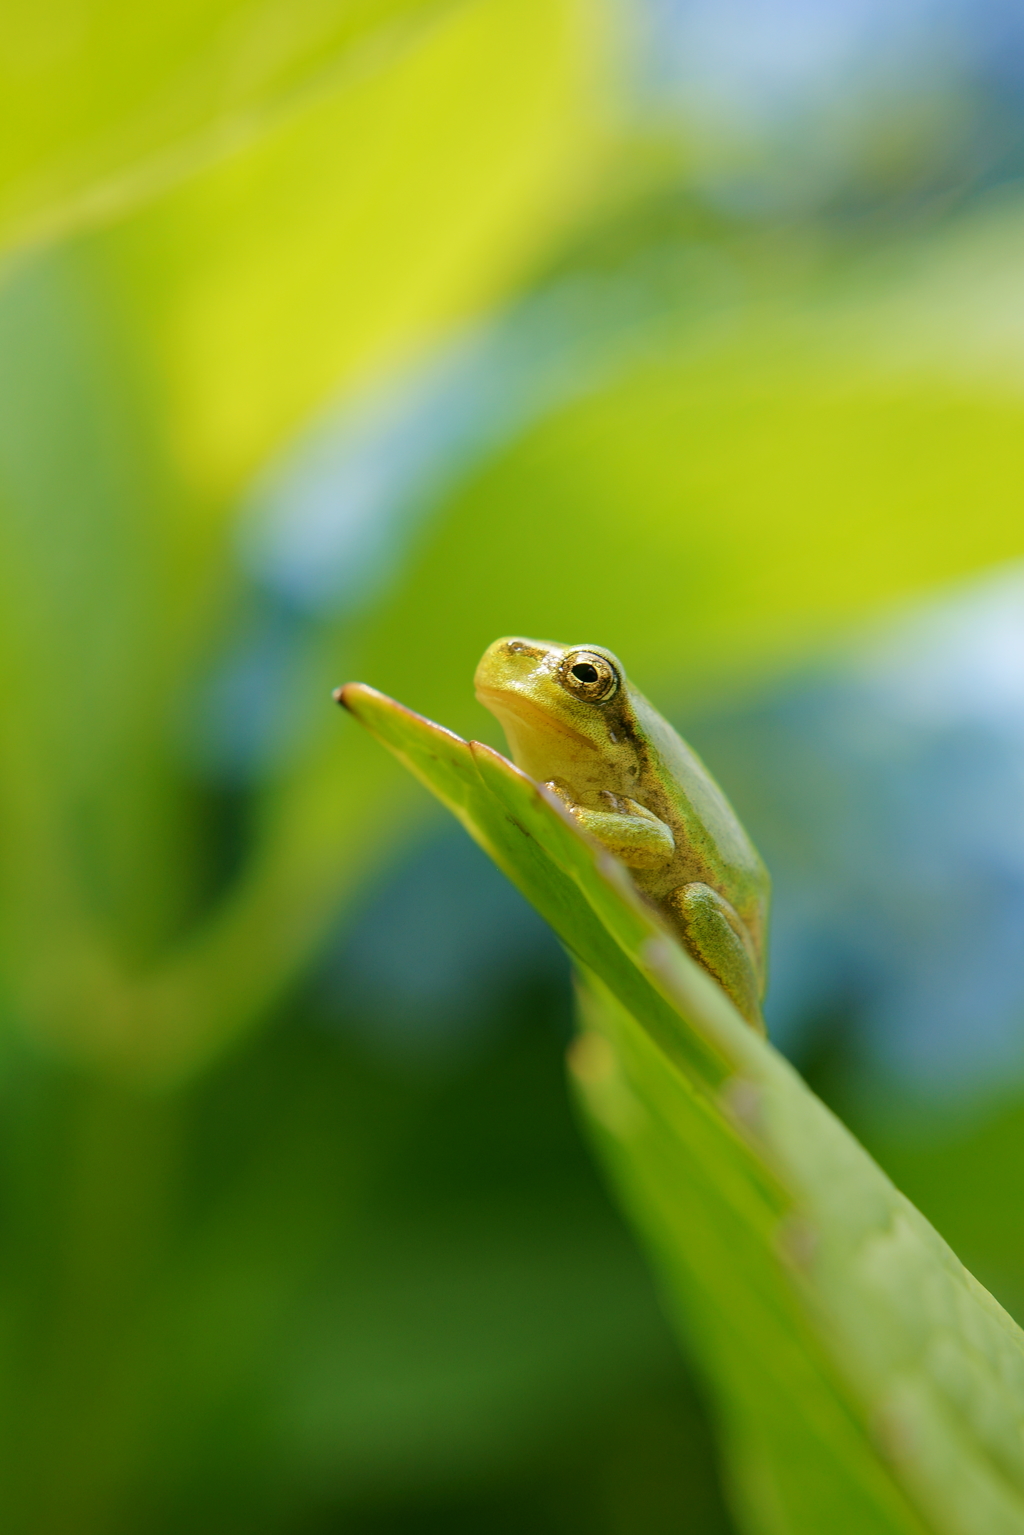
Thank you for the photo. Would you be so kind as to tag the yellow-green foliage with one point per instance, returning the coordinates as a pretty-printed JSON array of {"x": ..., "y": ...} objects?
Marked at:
[{"x": 218, "y": 222}]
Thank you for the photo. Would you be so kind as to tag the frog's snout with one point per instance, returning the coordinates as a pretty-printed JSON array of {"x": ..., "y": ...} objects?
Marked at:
[{"x": 510, "y": 659}]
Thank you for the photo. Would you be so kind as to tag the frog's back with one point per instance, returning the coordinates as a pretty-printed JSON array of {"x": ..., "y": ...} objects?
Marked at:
[{"x": 711, "y": 844}]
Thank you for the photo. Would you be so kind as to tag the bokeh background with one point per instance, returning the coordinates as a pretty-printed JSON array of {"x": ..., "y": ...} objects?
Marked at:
[{"x": 335, "y": 340}]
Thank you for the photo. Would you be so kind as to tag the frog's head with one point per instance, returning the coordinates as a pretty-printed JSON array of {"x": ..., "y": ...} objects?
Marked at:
[{"x": 564, "y": 708}]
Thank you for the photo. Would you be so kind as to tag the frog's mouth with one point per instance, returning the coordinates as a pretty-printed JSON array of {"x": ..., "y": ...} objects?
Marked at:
[{"x": 502, "y": 701}]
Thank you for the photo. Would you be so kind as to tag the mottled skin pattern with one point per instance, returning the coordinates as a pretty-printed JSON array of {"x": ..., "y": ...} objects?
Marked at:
[{"x": 576, "y": 724}]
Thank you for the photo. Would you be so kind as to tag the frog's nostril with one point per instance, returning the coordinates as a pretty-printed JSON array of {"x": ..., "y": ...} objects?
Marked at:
[{"x": 520, "y": 648}]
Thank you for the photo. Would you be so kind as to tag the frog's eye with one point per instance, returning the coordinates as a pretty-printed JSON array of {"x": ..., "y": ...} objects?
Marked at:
[{"x": 588, "y": 676}]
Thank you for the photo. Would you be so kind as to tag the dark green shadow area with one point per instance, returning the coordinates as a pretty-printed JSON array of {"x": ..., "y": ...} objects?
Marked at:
[{"x": 364, "y": 1297}]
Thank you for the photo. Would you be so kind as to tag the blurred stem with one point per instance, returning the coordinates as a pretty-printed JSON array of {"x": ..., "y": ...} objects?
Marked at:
[
  {"x": 78, "y": 995},
  {"x": 96, "y": 1239}
]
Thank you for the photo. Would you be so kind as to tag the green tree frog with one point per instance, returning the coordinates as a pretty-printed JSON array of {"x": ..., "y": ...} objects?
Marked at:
[{"x": 575, "y": 724}]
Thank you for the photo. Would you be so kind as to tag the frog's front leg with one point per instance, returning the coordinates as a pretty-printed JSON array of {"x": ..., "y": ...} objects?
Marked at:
[
  {"x": 715, "y": 934},
  {"x": 626, "y": 828}
]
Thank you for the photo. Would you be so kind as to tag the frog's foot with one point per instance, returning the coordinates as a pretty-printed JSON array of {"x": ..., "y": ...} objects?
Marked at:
[
  {"x": 625, "y": 829},
  {"x": 716, "y": 937}
]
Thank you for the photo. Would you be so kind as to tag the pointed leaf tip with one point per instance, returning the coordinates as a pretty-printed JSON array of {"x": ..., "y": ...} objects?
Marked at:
[{"x": 349, "y": 694}]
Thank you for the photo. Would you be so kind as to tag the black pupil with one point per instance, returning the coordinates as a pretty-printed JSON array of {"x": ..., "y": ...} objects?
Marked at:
[{"x": 584, "y": 672}]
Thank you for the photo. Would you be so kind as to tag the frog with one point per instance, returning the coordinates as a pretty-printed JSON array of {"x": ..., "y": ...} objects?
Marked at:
[{"x": 579, "y": 728}]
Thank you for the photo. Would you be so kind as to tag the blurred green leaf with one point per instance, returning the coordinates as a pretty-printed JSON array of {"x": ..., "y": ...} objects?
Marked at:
[
  {"x": 107, "y": 104},
  {"x": 866, "y": 1381},
  {"x": 167, "y": 355},
  {"x": 835, "y": 436},
  {"x": 407, "y": 198}
]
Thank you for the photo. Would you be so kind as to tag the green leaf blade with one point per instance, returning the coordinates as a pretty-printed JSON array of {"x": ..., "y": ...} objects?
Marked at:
[{"x": 865, "y": 1382}]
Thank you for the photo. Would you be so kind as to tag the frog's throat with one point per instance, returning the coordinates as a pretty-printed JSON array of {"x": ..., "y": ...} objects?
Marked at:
[{"x": 501, "y": 701}]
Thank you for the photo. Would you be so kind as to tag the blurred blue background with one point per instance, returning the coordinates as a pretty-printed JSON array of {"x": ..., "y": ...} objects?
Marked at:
[{"x": 335, "y": 341}]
